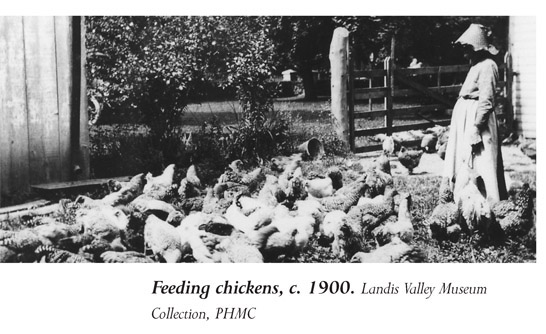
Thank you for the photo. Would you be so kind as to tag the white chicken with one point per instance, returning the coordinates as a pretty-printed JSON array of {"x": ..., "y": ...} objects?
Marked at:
[
  {"x": 163, "y": 240},
  {"x": 160, "y": 186},
  {"x": 395, "y": 251},
  {"x": 331, "y": 229}
]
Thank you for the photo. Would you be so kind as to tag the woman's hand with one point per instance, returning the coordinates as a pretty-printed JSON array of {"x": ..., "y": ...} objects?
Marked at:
[{"x": 476, "y": 139}]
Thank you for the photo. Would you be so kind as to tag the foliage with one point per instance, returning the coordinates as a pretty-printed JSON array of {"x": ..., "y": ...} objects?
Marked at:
[{"x": 142, "y": 68}]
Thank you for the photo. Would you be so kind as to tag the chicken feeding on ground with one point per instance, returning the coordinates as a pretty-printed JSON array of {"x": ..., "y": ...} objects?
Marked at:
[
  {"x": 441, "y": 144},
  {"x": 271, "y": 193},
  {"x": 282, "y": 163},
  {"x": 428, "y": 143},
  {"x": 190, "y": 185},
  {"x": 294, "y": 231},
  {"x": 409, "y": 158},
  {"x": 369, "y": 215},
  {"x": 160, "y": 209},
  {"x": 395, "y": 251},
  {"x": 260, "y": 217},
  {"x": 20, "y": 245},
  {"x": 472, "y": 204},
  {"x": 126, "y": 192},
  {"x": 196, "y": 235},
  {"x": 125, "y": 257},
  {"x": 115, "y": 185},
  {"x": 401, "y": 227},
  {"x": 390, "y": 145},
  {"x": 312, "y": 208},
  {"x": 515, "y": 215},
  {"x": 98, "y": 222},
  {"x": 215, "y": 202},
  {"x": 163, "y": 240},
  {"x": 160, "y": 187},
  {"x": 377, "y": 180},
  {"x": 295, "y": 190},
  {"x": 50, "y": 254},
  {"x": 444, "y": 222},
  {"x": 345, "y": 197},
  {"x": 331, "y": 232},
  {"x": 325, "y": 186},
  {"x": 242, "y": 248}
]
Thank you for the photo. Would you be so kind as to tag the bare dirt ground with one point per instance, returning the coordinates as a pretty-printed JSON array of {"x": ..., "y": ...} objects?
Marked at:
[{"x": 431, "y": 164}]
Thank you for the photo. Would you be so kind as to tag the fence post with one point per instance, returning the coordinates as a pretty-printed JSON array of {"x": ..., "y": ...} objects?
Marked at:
[
  {"x": 338, "y": 64},
  {"x": 351, "y": 98},
  {"x": 388, "y": 99}
]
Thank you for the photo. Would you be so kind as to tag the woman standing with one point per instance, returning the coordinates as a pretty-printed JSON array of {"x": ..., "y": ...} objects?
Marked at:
[{"x": 473, "y": 138}]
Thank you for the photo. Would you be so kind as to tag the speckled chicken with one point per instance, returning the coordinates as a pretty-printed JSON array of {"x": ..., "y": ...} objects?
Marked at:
[
  {"x": 409, "y": 158},
  {"x": 401, "y": 228},
  {"x": 50, "y": 254},
  {"x": 441, "y": 144},
  {"x": 444, "y": 222},
  {"x": 213, "y": 203},
  {"x": 345, "y": 197},
  {"x": 369, "y": 215},
  {"x": 515, "y": 215},
  {"x": 376, "y": 182},
  {"x": 98, "y": 221},
  {"x": 26, "y": 241},
  {"x": 125, "y": 257},
  {"x": 160, "y": 187}
]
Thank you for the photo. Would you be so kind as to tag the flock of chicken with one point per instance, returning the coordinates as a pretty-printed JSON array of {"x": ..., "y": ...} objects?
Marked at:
[{"x": 268, "y": 214}]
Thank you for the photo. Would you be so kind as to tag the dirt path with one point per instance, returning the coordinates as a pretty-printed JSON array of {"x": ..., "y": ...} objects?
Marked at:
[{"x": 431, "y": 164}]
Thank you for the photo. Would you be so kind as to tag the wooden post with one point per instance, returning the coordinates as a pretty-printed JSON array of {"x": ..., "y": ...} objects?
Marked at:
[
  {"x": 338, "y": 65},
  {"x": 351, "y": 98},
  {"x": 388, "y": 98},
  {"x": 85, "y": 145},
  {"x": 508, "y": 107},
  {"x": 79, "y": 118}
]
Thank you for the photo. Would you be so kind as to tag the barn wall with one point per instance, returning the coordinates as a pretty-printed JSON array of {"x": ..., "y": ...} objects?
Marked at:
[
  {"x": 36, "y": 103},
  {"x": 522, "y": 36}
]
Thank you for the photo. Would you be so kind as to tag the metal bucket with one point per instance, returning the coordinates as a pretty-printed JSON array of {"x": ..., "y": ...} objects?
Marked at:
[{"x": 312, "y": 148}]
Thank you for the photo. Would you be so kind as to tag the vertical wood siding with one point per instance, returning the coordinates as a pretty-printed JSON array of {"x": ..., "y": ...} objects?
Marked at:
[
  {"x": 523, "y": 41},
  {"x": 36, "y": 87}
]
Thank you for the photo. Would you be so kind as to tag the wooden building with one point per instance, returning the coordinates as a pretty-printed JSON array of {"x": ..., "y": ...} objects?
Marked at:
[
  {"x": 43, "y": 118},
  {"x": 522, "y": 47}
]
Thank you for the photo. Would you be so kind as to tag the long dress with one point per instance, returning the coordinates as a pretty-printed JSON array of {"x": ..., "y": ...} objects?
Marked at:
[{"x": 475, "y": 108}]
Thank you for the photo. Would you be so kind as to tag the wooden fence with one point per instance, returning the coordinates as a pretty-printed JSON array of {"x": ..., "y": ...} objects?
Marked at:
[
  {"x": 403, "y": 83},
  {"x": 43, "y": 116}
]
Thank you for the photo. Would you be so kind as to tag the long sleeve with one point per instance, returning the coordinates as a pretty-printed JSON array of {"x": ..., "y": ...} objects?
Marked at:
[{"x": 487, "y": 84}]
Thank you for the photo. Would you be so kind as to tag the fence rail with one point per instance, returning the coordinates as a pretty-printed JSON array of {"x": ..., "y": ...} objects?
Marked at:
[{"x": 404, "y": 83}]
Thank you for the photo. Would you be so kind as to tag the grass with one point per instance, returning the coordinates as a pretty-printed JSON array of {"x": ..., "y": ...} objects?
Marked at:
[{"x": 124, "y": 149}]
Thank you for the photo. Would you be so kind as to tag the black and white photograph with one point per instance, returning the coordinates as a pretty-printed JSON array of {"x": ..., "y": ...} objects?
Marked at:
[
  {"x": 276, "y": 167},
  {"x": 268, "y": 139}
]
